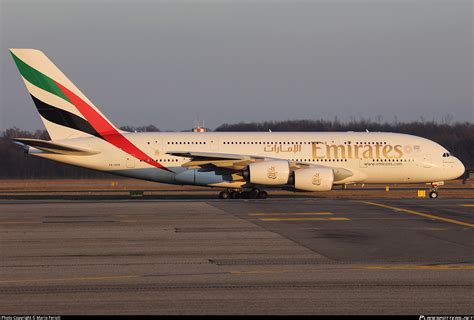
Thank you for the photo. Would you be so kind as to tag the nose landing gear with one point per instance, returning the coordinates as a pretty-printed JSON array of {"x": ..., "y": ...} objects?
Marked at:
[
  {"x": 433, "y": 191},
  {"x": 433, "y": 194}
]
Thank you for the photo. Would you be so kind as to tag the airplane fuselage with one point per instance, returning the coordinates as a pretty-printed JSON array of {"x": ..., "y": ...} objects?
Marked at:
[
  {"x": 374, "y": 157},
  {"x": 308, "y": 161}
]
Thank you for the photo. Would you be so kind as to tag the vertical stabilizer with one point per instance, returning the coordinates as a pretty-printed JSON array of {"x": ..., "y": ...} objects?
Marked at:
[{"x": 65, "y": 110}]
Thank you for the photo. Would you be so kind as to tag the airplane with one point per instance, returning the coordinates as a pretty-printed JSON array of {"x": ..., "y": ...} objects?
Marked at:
[{"x": 242, "y": 164}]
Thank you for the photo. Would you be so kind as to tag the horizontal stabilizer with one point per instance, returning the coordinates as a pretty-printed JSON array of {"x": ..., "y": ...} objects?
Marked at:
[{"x": 53, "y": 147}]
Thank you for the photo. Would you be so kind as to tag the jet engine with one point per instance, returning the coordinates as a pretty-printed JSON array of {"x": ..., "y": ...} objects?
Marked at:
[
  {"x": 273, "y": 172},
  {"x": 314, "y": 179}
]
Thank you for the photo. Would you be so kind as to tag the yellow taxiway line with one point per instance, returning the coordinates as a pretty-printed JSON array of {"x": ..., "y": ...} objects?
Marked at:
[
  {"x": 259, "y": 272},
  {"x": 426, "y": 215},
  {"x": 421, "y": 267},
  {"x": 304, "y": 219},
  {"x": 291, "y": 214},
  {"x": 467, "y": 205}
]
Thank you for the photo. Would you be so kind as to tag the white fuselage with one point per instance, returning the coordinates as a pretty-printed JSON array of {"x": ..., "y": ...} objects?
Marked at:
[{"x": 374, "y": 157}]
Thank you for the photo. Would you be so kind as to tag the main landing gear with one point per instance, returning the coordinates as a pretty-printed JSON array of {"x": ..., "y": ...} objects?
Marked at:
[{"x": 236, "y": 194}]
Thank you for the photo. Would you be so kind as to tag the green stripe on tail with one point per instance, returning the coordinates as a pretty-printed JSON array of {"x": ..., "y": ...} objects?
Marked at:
[{"x": 37, "y": 78}]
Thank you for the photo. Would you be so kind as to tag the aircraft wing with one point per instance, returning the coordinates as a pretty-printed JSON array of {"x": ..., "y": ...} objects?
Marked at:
[
  {"x": 218, "y": 160},
  {"x": 223, "y": 163},
  {"x": 54, "y": 147}
]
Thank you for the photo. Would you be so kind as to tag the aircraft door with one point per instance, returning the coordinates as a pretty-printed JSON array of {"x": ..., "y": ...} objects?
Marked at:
[
  {"x": 214, "y": 144},
  {"x": 155, "y": 148},
  {"x": 130, "y": 162},
  {"x": 427, "y": 161}
]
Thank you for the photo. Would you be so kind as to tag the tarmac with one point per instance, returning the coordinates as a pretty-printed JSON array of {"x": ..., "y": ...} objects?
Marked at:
[{"x": 192, "y": 255}]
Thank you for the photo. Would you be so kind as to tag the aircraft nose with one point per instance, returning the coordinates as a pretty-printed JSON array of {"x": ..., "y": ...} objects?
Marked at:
[{"x": 459, "y": 168}]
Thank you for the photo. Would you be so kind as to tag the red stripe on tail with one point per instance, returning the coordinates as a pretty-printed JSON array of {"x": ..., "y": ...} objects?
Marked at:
[{"x": 106, "y": 130}]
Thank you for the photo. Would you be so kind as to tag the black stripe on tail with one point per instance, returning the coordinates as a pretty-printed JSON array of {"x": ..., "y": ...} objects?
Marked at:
[{"x": 64, "y": 118}]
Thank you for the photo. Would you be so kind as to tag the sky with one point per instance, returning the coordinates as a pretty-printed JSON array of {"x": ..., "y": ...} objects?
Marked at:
[{"x": 169, "y": 62}]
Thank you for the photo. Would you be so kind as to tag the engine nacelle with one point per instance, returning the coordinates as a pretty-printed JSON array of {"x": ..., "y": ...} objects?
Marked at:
[
  {"x": 314, "y": 179},
  {"x": 269, "y": 172}
]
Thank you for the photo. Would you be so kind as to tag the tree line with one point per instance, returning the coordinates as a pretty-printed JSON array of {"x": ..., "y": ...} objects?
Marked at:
[{"x": 458, "y": 138}]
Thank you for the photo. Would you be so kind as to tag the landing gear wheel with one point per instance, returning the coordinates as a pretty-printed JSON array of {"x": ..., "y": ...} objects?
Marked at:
[
  {"x": 262, "y": 194},
  {"x": 224, "y": 195},
  {"x": 253, "y": 194},
  {"x": 433, "y": 194},
  {"x": 244, "y": 195},
  {"x": 235, "y": 195}
]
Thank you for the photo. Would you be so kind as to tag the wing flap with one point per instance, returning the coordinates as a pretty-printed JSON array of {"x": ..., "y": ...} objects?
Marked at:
[
  {"x": 212, "y": 161},
  {"x": 211, "y": 155},
  {"x": 229, "y": 164}
]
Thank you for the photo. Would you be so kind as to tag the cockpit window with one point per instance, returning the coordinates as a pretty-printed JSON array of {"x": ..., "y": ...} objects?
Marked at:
[{"x": 446, "y": 154}]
